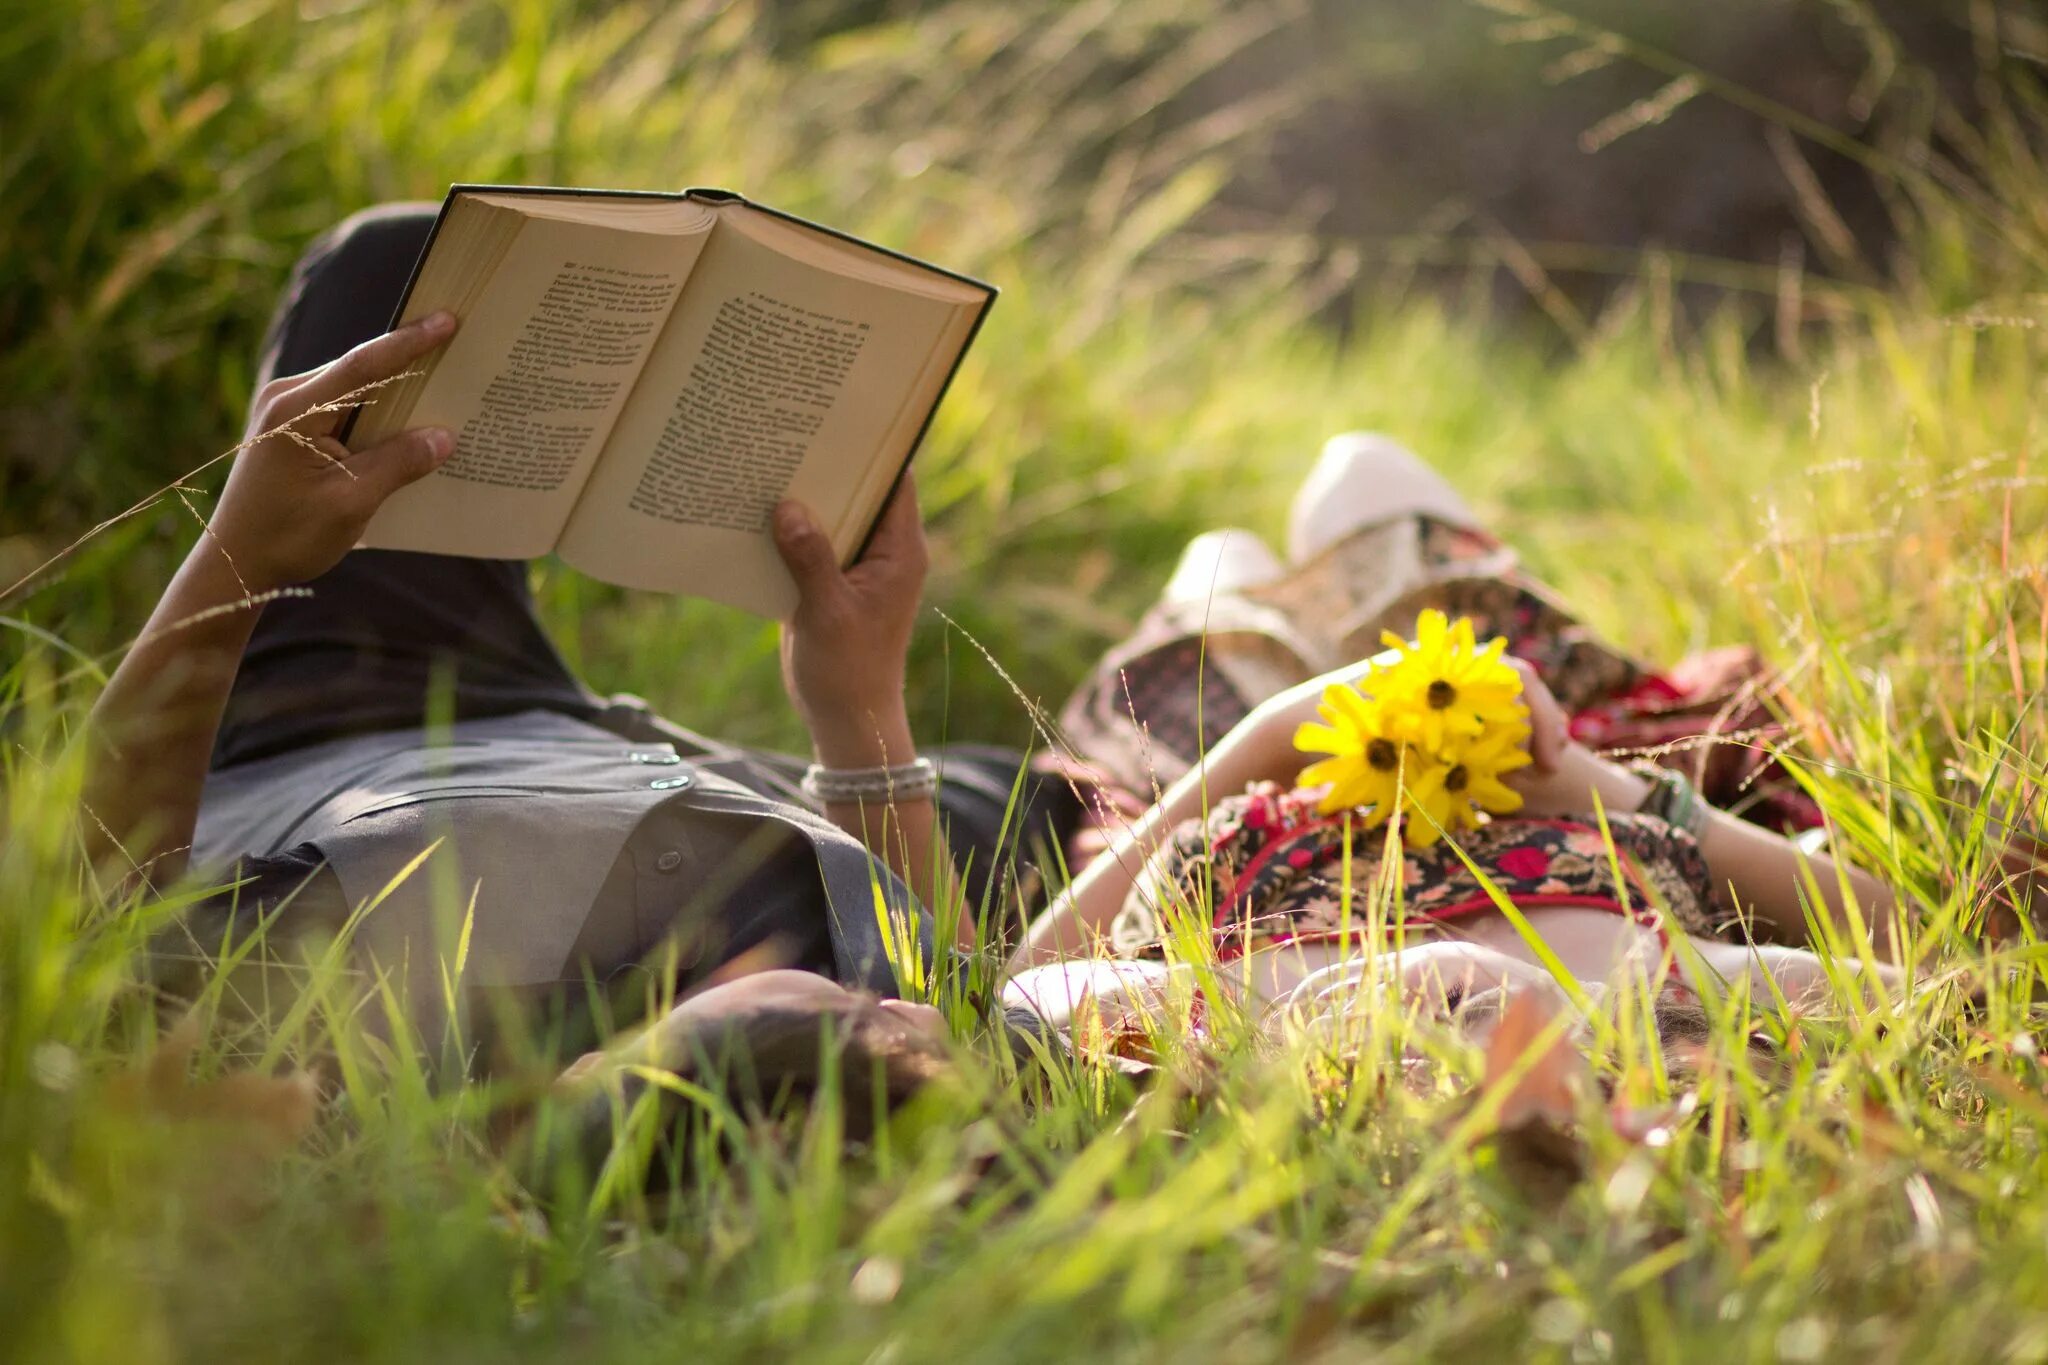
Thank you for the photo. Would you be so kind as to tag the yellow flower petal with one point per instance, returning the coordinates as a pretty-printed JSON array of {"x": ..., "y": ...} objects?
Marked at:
[
  {"x": 1429, "y": 629},
  {"x": 1461, "y": 636},
  {"x": 1310, "y": 737},
  {"x": 1329, "y": 770},
  {"x": 1352, "y": 708},
  {"x": 1495, "y": 797}
]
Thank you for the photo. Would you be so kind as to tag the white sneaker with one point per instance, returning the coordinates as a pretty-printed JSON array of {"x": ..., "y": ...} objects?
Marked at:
[
  {"x": 1363, "y": 478},
  {"x": 1218, "y": 562}
]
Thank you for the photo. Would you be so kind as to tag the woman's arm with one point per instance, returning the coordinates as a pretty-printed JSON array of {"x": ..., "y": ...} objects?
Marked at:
[
  {"x": 1259, "y": 749},
  {"x": 843, "y": 656},
  {"x": 1766, "y": 872},
  {"x": 294, "y": 503},
  {"x": 1769, "y": 875},
  {"x": 1077, "y": 917}
]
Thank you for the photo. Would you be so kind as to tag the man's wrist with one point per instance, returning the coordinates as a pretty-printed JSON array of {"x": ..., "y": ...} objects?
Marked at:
[
  {"x": 865, "y": 737},
  {"x": 223, "y": 558}
]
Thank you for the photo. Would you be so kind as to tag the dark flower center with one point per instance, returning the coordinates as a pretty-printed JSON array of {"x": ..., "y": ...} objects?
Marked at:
[
  {"x": 1456, "y": 778},
  {"x": 1442, "y": 694},
  {"x": 1382, "y": 754}
]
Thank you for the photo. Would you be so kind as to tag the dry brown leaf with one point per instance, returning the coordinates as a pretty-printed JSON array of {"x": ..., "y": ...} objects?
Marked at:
[
  {"x": 1550, "y": 1088},
  {"x": 262, "y": 1115},
  {"x": 1544, "y": 1159},
  {"x": 1315, "y": 1327},
  {"x": 1536, "y": 1138}
]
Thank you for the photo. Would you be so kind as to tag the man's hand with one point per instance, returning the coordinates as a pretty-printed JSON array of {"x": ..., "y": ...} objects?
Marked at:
[
  {"x": 294, "y": 504},
  {"x": 297, "y": 499},
  {"x": 844, "y": 648},
  {"x": 843, "y": 655}
]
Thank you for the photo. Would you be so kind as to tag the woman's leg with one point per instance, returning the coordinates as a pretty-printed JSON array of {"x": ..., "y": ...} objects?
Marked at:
[{"x": 384, "y": 632}]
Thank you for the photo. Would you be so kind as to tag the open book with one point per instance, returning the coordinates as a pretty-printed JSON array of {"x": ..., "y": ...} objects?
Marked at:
[{"x": 640, "y": 378}]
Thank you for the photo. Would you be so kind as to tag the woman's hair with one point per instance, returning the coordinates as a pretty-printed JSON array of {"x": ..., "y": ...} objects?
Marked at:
[{"x": 1684, "y": 1032}]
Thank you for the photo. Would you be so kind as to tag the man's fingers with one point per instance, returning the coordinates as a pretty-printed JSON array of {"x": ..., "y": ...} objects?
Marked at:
[
  {"x": 390, "y": 465},
  {"x": 899, "y": 533},
  {"x": 807, "y": 551},
  {"x": 898, "y": 551},
  {"x": 377, "y": 359},
  {"x": 900, "y": 519}
]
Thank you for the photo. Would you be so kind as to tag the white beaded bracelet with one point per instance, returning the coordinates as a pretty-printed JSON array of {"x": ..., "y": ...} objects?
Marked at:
[{"x": 904, "y": 782}]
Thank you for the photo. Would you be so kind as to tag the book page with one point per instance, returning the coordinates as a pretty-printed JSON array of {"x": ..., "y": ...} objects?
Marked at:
[
  {"x": 532, "y": 384},
  {"x": 774, "y": 379}
]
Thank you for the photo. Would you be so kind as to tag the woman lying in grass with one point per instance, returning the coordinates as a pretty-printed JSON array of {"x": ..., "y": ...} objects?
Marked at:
[{"x": 1237, "y": 851}]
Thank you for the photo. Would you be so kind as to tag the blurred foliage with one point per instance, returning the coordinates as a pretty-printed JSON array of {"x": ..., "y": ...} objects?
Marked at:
[
  {"x": 1589, "y": 130},
  {"x": 170, "y": 158}
]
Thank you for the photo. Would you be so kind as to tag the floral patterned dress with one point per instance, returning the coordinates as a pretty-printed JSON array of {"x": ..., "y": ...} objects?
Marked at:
[{"x": 1266, "y": 868}]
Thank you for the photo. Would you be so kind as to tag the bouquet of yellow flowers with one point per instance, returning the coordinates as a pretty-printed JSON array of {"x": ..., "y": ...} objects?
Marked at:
[{"x": 1428, "y": 733}]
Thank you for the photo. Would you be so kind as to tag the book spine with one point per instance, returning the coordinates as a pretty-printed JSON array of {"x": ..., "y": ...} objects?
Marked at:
[
  {"x": 959, "y": 357},
  {"x": 716, "y": 196}
]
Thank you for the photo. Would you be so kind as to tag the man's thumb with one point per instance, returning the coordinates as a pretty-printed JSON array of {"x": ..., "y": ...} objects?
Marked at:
[
  {"x": 390, "y": 465},
  {"x": 805, "y": 548}
]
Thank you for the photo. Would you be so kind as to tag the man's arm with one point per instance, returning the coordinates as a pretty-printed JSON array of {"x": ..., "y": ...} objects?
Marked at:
[
  {"x": 153, "y": 727},
  {"x": 295, "y": 502},
  {"x": 843, "y": 655}
]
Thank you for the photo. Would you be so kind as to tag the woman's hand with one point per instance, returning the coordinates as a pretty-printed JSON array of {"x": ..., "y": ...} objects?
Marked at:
[
  {"x": 1550, "y": 731},
  {"x": 1563, "y": 776},
  {"x": 297, "y": 500},
  {"x": 844, "y": 648},
  {"x": 1264, "y": 740}
]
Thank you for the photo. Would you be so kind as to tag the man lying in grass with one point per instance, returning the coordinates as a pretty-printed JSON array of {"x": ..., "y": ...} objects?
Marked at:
[
  {"x": 312, "y": 720},
  {"x": 1238, "y": 858}
]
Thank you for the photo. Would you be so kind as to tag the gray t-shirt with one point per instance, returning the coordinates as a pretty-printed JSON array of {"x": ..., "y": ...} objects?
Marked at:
[{"x": 546, "y": 848}]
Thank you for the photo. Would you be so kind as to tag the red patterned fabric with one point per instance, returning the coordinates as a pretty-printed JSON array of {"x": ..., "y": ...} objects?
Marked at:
[{"x": 1267, "y": 868}]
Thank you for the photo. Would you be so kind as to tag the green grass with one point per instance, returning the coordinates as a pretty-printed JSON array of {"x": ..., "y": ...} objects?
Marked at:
[{"x": 1872, "y": 516}]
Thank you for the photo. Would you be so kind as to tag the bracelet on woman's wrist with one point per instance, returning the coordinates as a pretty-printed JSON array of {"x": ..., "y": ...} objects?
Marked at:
[
  {"x": 1673, "y": 799},
  {"x": 901, "y": 782}
]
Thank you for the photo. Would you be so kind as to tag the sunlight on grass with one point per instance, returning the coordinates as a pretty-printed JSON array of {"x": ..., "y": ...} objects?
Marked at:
[{"x": 1874, "y": 516}]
